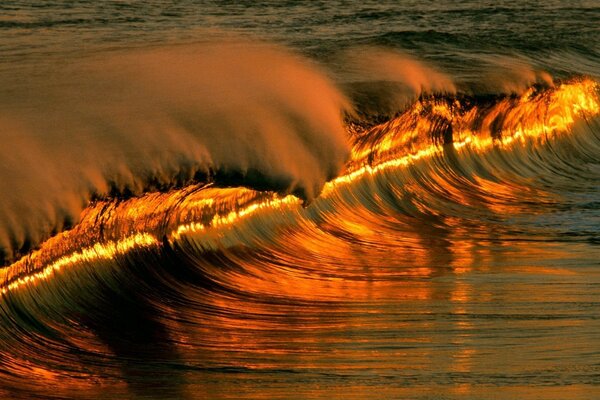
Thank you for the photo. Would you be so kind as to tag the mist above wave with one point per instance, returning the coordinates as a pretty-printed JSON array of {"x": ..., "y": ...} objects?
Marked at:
[
  {"x": 116, "y": 123},
  {"x": 384, "y": 81}
]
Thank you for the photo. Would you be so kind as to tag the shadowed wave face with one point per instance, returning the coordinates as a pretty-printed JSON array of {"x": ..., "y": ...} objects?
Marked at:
[{"x": 392, "y": 201}]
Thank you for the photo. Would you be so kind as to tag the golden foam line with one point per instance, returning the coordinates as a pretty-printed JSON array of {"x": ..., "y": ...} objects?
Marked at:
[
  {"x": 203, "y": 203},
  {"x": 234, "y": 216},
  {"x": 99, "y": 251},
  {"x": 372, "y": 170},
  {"x": 141, "y": 240},
  {"x": 565, "y": 103}
]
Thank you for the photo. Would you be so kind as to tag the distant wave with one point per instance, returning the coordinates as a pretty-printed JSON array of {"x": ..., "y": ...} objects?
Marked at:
[{"x": 49, "y": 23}]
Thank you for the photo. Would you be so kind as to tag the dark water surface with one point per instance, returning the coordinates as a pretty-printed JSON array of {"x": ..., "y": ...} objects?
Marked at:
[{"x": 457, "y": 256}]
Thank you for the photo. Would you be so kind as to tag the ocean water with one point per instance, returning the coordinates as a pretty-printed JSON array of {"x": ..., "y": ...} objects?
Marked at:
[{"x": 299, "y": 200}]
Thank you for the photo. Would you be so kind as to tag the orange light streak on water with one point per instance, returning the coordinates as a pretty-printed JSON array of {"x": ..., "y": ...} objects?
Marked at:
[{"x": 233, "y": 217}]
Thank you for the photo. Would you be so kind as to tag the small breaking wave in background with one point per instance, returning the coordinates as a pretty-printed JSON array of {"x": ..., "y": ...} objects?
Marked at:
[{"x": 370, "y": 213}]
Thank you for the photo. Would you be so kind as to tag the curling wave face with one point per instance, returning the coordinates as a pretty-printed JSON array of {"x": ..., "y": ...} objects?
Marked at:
[{"x": 459, "y": 137}]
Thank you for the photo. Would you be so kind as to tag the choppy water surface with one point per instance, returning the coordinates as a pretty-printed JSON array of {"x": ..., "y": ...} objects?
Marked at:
[{"x": 376, "y": 201}]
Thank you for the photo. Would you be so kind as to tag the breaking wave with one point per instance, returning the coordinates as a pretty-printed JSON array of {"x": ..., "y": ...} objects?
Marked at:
[
  {"x": 327, "y": 193},
  {"x": 483, "y": 156}
]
